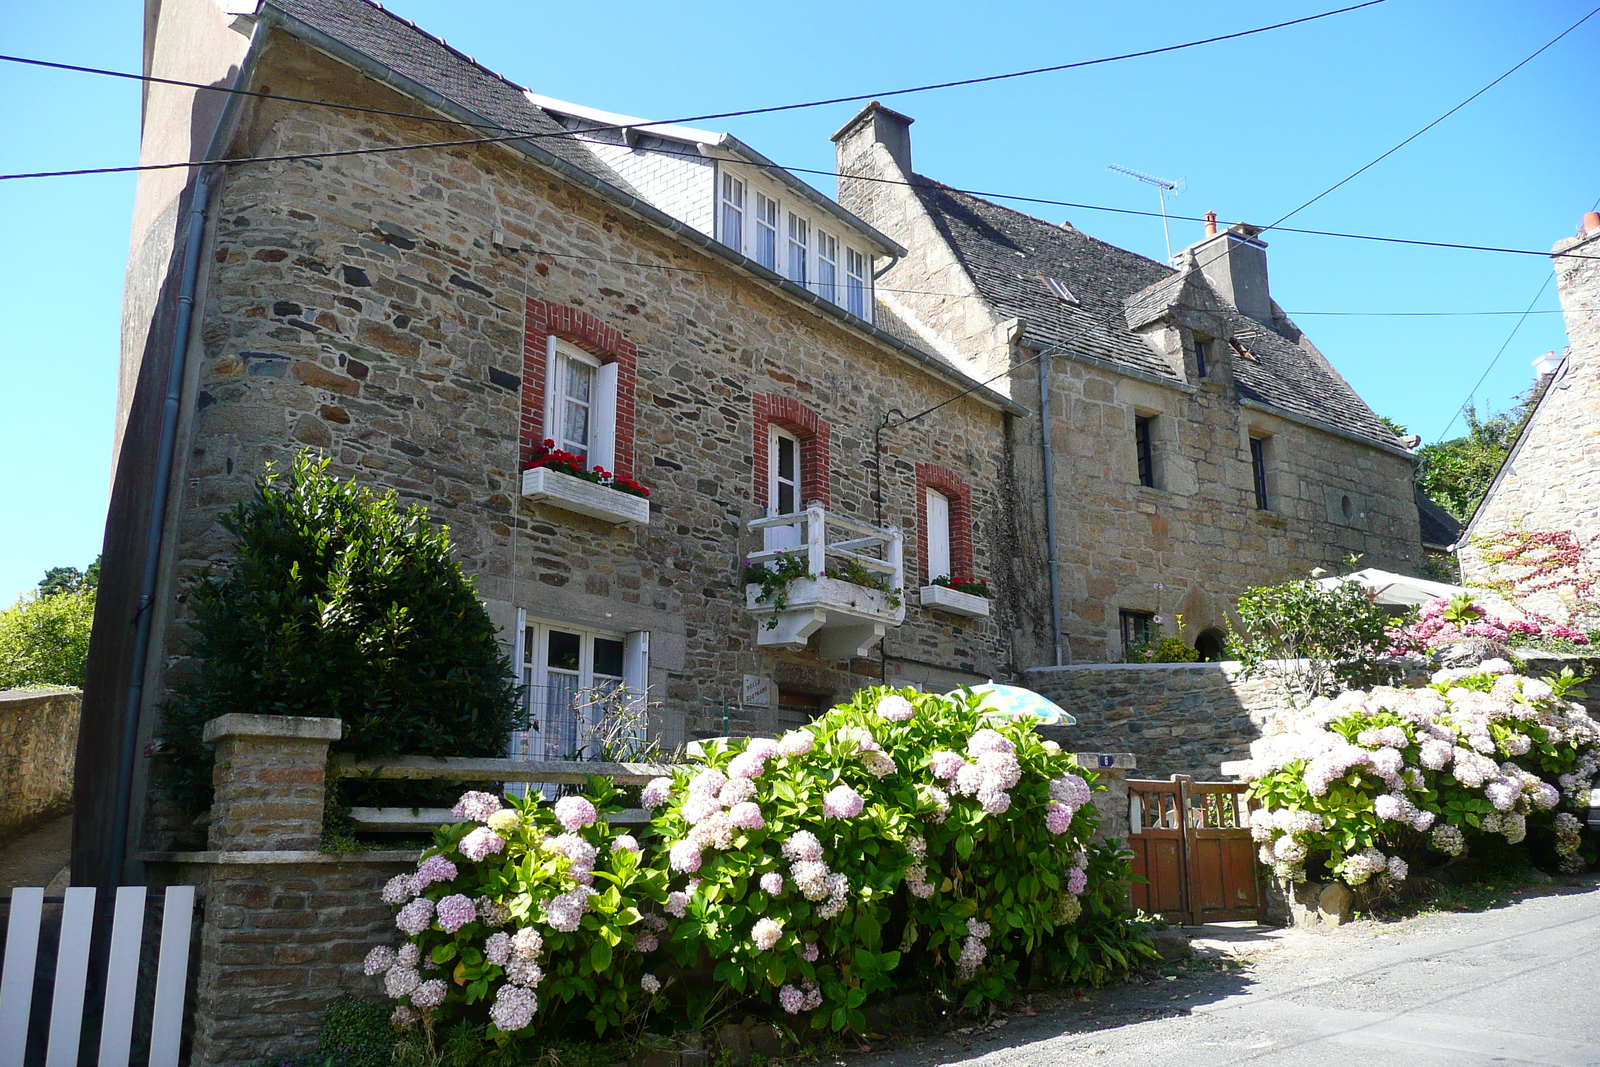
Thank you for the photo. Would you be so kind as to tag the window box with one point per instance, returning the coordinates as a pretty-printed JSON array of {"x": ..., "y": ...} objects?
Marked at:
[
  {"x": 943, "y": 598},
  {"x": 571, "y": 493}
]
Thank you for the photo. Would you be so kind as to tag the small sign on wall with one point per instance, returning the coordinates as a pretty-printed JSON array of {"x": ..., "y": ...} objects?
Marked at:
[
  {"x": 1107, "y": 760},
  {"x": 757, "y": 690}
]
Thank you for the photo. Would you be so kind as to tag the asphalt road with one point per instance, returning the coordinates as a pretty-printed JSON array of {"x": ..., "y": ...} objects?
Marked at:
[{"x": 1517, "y": 985}]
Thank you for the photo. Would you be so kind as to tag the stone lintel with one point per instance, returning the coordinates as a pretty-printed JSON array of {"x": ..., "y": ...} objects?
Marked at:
[{"x": 297, "y": 727}]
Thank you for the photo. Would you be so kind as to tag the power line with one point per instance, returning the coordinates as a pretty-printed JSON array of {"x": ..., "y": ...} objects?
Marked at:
[
  {"x": 1361, "y": 170},
  {"x": 1415, "y": 314},
  {"x": 1505, "y": 345},
  {"x": 777, "y": 107}
]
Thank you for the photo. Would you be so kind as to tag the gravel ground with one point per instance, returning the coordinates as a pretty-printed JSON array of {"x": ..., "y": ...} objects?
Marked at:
[{"x": 1516, "y": 985}]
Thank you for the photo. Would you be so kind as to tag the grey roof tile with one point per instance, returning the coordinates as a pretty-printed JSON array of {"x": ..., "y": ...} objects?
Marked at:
[
  {"x": 404, "y": 48},
  {"x": 1006, "y": 252}
]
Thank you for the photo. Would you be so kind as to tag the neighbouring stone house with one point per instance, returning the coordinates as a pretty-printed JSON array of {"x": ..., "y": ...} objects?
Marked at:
[
  {"x": 1551, "y": 478},
  {"x": 662, "y": 300},
  {"x": 1198, "y": 441}
]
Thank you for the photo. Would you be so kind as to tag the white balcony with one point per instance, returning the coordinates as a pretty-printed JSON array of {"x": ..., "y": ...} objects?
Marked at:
[
  {"x": 582, "y": 497},
  {"x": 943, "y": 598},
  {"x": 848, "y": 619}
]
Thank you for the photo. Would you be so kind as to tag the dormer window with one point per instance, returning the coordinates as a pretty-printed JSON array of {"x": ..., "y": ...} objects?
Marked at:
[
  {"x": 785, "y": 237},
  {"x": 766, "y": 249},
  {"x": 799, "y": 248},
  {"x": 732, "y": 211},
  {"x": 828, "y": 265},
  {"x": 855, "y": 283}
]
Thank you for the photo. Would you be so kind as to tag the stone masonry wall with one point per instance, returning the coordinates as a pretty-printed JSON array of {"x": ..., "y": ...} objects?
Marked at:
[
  {"x": 1176, "y": 718},
  {"x": 38, "y": 748},
  {"x": 360, "y": 306},
  {"x": 1552, "y": 482},
  {"x": 1195, "y": 541}
]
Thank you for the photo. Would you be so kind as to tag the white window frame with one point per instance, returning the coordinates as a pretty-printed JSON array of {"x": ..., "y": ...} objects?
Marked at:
[
  {"x": 602, "y": 402},
  {"x": 779, "y": 538},
  {"x": 731, "y": 217},
  {"x": 534, "y": 671},
  {"x": 797, "y": 224},
  {"x": 936, "y": 516},
  {"x": 828, "y": 267},
  {"x": 768, "y": 218},
  {"x": 857, "y": 283}
]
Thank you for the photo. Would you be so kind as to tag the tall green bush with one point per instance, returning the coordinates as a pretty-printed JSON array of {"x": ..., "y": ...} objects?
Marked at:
[
  {"x": 341, "y": 603},
  {"x": 44, "y": 639}
]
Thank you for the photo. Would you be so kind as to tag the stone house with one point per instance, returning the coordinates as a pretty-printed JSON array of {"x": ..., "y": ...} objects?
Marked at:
[
  {"x": 1198, "y": 442},
  {"x": 855, "y": 382},
  {"x": 661, "y": 301},
  {"x": 1551, "y": 478}
]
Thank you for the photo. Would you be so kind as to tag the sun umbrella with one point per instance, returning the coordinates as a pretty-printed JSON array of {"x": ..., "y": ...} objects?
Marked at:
[{"x": 1015, "y": 702}]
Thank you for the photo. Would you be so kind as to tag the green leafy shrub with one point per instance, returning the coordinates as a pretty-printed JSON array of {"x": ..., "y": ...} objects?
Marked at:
[
  {"x": 44, "y": 639},
  {"x": 1308, "y": 635},
  {"x": 341, "y": 603},
  {"x": 902, "y": 841},
  {"x": 1370, "y": 785}
]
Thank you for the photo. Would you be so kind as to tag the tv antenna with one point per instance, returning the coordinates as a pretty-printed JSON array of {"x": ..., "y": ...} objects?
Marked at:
[{"x": 1163, "y": 187}]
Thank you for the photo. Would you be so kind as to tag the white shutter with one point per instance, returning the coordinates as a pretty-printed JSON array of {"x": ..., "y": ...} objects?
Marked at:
[
  {"x": 636, "y": 674},
  {"x": 938, "y": 520},
  {"x": 603, "y": 430}
]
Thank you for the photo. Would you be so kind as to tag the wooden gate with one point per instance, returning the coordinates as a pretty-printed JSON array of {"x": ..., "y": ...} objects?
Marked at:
[{"x": 1191, "y": 845}]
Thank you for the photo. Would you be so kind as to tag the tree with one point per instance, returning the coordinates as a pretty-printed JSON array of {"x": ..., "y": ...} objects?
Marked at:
[
  {"x": 44, "y": 640},
  {"x": 1312, "y": 638},
  {"x": 69, "y": 579},
  {"x": 341, "y": 603},
  {"x": 1457, "y": 473}
]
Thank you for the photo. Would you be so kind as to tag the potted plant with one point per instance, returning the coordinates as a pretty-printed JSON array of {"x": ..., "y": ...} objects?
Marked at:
[{"x": 555, "y": 476}]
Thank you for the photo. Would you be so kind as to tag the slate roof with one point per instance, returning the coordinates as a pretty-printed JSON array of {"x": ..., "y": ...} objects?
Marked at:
[
  {"x": 406, "y": 49},
  {"x": 1439, "y": 527},
  {"x": 1006, "y": 252}
]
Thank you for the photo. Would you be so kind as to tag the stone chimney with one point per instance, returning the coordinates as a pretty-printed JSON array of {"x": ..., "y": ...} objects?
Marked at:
[
  {"x": 1577, "y": 267},
  {"x": 876, "y": 124},
  {"x": 856, "y": 148},
  {"x": 1235, "y": 263}
]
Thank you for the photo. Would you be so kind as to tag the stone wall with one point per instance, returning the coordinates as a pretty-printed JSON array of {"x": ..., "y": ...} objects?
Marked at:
[
  {"x": 1195, "y": 540},
  {"x": 1176, "y": 718},
  {"x": 375, "y": 308},
  {"x": 38, "y": 748},
  {"x": 1552, "y": 479}
]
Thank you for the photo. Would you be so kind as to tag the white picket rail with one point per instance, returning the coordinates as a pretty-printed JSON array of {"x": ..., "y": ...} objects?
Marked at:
[{"x": 72, "y": 973}]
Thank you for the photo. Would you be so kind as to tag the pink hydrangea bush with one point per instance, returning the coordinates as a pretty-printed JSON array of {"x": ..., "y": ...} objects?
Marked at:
[
  {"x": 860, "y": 853},
  {"x": 1373, "y": 783},
  {"x": 1439, "y": 622},
  {"x": 524, "y": 917}
]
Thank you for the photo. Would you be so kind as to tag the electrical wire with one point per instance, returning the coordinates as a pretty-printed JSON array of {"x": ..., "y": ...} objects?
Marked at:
[
  {"x": 1363, "y": 169},
  {"x": 1504, "y": 345},
  {"x": 773, "y": 109}
]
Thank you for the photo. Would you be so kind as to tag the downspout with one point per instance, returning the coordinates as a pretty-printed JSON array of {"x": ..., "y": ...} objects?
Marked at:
[
  {"x": 1049, "y": 497},
  {"x": 165, "y": 450}
]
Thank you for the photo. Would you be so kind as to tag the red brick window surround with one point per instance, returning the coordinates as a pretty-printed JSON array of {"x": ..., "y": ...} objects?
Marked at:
[
  {"x": 815, "y": 435},
  {"x": 584, "y": 331},
  {"x": 955, "y": 490}
]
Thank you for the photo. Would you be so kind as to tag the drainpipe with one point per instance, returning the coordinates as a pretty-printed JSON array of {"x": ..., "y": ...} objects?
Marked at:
[
  {"x": 165, "y": 449},
  {"x": 1049, "y": 497}
]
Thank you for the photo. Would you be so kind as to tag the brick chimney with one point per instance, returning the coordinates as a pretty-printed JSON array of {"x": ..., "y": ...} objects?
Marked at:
[{"x": 1235, "y": 263}]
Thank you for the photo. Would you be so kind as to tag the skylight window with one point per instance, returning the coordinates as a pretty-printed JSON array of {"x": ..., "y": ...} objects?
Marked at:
[{"x": 1059, "y": 289}]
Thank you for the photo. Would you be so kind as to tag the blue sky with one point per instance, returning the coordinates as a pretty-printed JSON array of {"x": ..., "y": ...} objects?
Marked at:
[{"x": 1254, "y": 126}]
